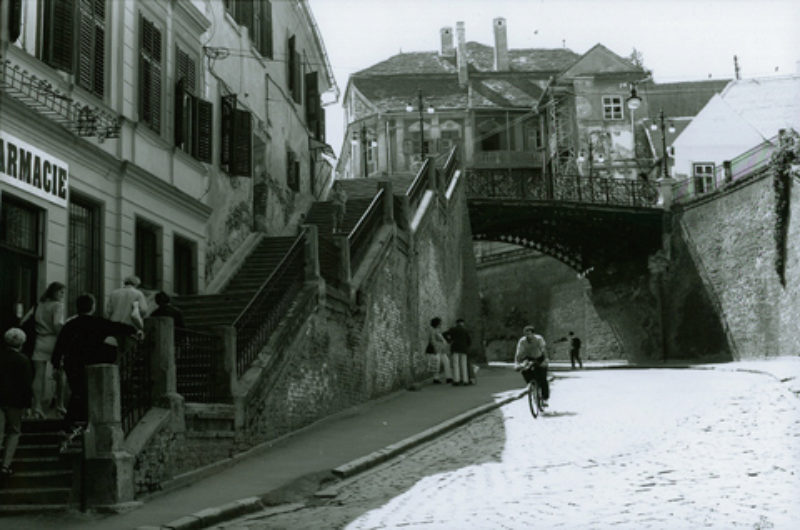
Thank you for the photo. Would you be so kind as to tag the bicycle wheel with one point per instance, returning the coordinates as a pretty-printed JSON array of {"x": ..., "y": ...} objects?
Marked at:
[{"x": 534, "y": 395}]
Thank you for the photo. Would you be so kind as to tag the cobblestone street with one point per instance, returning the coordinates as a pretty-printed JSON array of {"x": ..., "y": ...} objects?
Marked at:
[{"x": 619, "y": 448}]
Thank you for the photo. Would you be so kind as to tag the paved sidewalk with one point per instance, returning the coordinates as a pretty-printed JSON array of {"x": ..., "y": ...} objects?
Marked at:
[{"x": 346, "y": 443}]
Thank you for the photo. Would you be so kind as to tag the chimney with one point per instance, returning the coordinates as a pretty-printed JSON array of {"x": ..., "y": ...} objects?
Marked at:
[
  {"x": 461, "y": 55},
  {"x": 501, "y": 63},
  {"x": 448, "y": 49}
]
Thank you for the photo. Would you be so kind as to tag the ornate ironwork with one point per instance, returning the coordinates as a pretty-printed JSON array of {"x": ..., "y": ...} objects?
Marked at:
[
  {"x": 531, "y": 185},
  {"x": 39, "y": 95},
  {"x": 261, "y": 316},
  {"x": 135, "y": 383},
  {"x": 195, "y": 353}
]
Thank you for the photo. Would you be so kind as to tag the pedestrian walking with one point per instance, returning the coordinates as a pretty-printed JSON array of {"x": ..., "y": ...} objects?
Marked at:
[
  {"x": 127, "y": 305},
  {"x": 79, "y": 344},
  {"x": 438, "y": 344},
  {"x": 460, "y": 341},
  {"x": 16, "y": 393},
  {"x": 167, "y": 309},
  {"x": 574, "y": 348},
  {"x": 48, "y": 315},
  {"x": 339, "y": 203}
]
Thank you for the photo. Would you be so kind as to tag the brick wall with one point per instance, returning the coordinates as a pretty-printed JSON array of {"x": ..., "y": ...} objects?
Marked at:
[
  {"x": 730, "y": 237},
  {"x": 346, "y": 353}
]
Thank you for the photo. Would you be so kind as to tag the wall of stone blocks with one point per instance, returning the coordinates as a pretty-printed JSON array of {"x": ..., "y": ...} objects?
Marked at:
[
  {"x": 730, "y": 236},
  {"x": 544, "y": 292}
]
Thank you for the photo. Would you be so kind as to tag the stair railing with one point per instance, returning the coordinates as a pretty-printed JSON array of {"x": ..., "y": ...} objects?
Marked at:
[
  {"x": 195, "y": 354},
  {"x": 135, "y": 382},
  {"x": 418, "y": 186},
  {"x": 263, "y": 313},
  {"x": 362, "y": 233},
  {"x": 450, "y": 167}
]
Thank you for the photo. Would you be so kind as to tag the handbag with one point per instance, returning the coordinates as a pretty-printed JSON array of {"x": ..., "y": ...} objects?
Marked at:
[
  {"x": 28, "y": 325},
  {"x": 429, "y": 348}
]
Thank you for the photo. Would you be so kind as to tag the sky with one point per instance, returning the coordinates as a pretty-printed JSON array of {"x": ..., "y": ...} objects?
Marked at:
[{"x": 679, "y": 40}]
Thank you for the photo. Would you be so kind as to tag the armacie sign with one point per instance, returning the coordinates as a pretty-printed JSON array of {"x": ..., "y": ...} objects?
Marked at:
[{"x": 31, "y": 169}]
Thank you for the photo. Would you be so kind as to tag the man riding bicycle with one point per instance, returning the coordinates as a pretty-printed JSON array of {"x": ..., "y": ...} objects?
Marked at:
[{"x": 531, "y": 359}]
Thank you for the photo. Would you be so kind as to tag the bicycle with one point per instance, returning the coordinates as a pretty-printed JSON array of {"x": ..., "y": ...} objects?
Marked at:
[{"x": 535, "y": 399}]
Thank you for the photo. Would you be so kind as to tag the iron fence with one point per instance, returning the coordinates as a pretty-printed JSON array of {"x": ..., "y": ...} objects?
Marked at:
[
  {"x": 530, "y": 185},
  {"x": 263, "y": 313},
  {"x": 135, "y": 382},
  {"x": 197, "y": 360}
]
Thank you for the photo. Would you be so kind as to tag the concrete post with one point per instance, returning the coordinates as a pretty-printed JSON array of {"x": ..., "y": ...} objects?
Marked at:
[
  {"x": 433, "y": 181},
  {"x": 224, "y": 365},
  {"x": 726, "y": 166},
  {"x": 163, "y": 373},
  {"x": 388, "y": 201},
  {"x": 109, "y": 470},
  {"x": 405, "y": 212},
  {"x": 665, "y": 192},
  {"x": 312, "y": 252},
  {"x": 345, "y": 275}
]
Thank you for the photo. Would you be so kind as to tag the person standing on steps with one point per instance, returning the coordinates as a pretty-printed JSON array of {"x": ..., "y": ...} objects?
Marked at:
[
  {"x": 339, "y": 204},
  {"x": 459, "y": 339},
  {"x": 16, "y": 393},
  {"x": 49, "y": 317},
  {"x": 79, "y": 344},
  {"x": 129, "y": 306},
  {"x": 439, "y": 344},
  {"x": 166, "y": 309}
]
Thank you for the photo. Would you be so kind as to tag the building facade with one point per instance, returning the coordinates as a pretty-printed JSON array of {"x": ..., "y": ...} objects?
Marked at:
[{"x": 152, "y": 137}]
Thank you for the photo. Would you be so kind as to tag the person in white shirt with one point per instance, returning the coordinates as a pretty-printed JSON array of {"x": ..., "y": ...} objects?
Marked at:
[
  {"x": 129, "y": 306},
  {"x": 531, "y": 360}
]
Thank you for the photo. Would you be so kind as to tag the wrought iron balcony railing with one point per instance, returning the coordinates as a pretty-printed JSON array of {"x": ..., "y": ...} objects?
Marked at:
[{"x": 40, "y": 95}]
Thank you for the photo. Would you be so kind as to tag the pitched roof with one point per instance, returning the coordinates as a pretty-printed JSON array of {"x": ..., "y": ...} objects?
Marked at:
[
  {"x": 480, "y": 58},
  {"x": 768, "y": 103},
  {"x": 680, "y": 99},
  {"x": 393, "y": 93},
  {"x": 600, "y": 60}
]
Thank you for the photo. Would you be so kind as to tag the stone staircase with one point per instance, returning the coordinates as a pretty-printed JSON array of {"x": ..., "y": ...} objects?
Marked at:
[
  {"x": 43, "y": 477},
  {"x": 204, "y": 311}
]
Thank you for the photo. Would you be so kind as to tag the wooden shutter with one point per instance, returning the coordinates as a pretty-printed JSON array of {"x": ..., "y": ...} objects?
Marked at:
[
  {"x": 290, "y": 59},
  {"x": 312, "y": 103},
  {"x": 186, "y": 70},
  {"x": 265, "y": 42},
  {"x": 321, "y": 124},
  {"x": 204, "y": 130},
  {"x": 180, "y": 114},
  {"x": 244, "y": 14},
  {"x": 91, "y": 45},
  {"x": 14, "y": 20},
  {"x": 227, "y": 109},
  {"x": 298, "y": 79},
  {"x": 242, "y": 144},
  {"x": 57, "y": 41},
  {"x": 150, "y": 74}
]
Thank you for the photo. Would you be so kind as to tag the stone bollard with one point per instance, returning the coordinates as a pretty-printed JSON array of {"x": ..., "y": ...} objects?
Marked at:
[
  {"x": 224, "y": 364},
  {"x": 109, "y": 469}
]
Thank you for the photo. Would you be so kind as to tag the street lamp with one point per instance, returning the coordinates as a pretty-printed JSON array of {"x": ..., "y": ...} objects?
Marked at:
[
  {"x": 429, "y": 110},
  {"x": 671, "y": 130}
]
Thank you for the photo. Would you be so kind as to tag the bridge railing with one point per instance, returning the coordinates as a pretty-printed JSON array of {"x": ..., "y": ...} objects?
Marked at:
[
  {"x": 418, "y": 185},
  {"x": 529, "y": 185}
]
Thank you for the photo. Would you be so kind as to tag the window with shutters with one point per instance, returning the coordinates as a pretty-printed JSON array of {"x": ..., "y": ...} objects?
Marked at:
[
  {"x": 314, "y": 118},
  {"x": 292, "y": 170},
  {"x": 15, "y": 20},
  {"x": 150, "y": 74},
  {"x": 294, "y": 70},
  {"x": 193, "y": 115},
  {"x": 256, "y": 16},
  {"x": 72, "y": 39},
  {"x": 236, "y": 143},
  {"x": 703, "y": 173}
]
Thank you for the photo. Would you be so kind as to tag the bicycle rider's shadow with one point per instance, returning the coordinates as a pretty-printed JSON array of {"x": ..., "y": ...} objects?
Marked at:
[{"x": 558, "y": 414}]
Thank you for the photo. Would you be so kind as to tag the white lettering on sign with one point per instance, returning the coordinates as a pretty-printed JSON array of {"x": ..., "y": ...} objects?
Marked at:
[{"x": 31, "y": 169}]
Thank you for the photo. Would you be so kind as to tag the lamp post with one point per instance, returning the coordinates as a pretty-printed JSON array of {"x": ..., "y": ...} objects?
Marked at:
[
  {"x": 633, "y": 102},
  {"x": 366, "y": 143},
  {"x": 664, "y": 129},
  {"x": 410, "y": 108}
]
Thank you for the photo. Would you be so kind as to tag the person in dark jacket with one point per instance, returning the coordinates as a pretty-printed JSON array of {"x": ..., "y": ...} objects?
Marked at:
[
  {"x": 459, "y": 339},
  {"x": 80, "y": 343},
  {"x": 166, "y": 309},
  {"x": 16, "y": 393}
]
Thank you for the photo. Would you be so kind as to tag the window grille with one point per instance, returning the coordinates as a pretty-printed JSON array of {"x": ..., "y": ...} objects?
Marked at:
[{"x": 612, "y": 107}]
